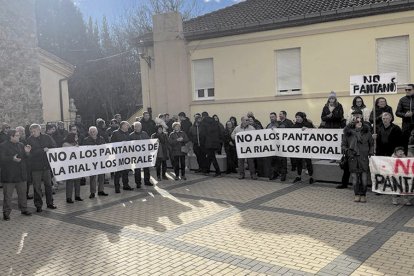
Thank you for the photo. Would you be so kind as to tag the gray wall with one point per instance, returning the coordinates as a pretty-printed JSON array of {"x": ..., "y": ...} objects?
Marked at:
[{"x": 20, "y": 95}]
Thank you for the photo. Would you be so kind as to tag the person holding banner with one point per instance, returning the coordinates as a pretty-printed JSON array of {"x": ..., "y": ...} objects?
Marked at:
[
  {"x": 358, "y": 104},
  {"x": 358, "y": 145},
  {"x": 177, "y": 140},
  {"x": 95, "y": 139},
  {"x": 303, "y": 123},
  {"x": 120, "y": 135},
  {"x": 284, "y": 122},
  {"x": 139, "y": 134},
  {"x": 399, "y": 153},
  {"x": 405, "y": 110},
  {"x": 388, "y": 136},
  {"x": 71, "y": 140},
  {"x": 40, "y": 166},
  {"x": 381, "y": 106},
  {"x": 13, "y": 156},
  {"x": 244, "y": 126},
  {"x": 272, "y": 162},
  {"x": 332, "y": 113},
  {"x": 230, "y": 148}
]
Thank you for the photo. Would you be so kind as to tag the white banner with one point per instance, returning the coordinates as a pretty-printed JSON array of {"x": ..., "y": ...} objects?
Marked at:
[
  {"x": 75, "y": 162},
  {"x": 290, "y": 142},
  {"x": 373, "y": 84},
  {"x": 393, "y": 176}
]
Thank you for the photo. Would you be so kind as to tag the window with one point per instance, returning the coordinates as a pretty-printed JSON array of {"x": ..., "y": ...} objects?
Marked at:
[
  {"x": 203, "y": 79},
  {"x": 392, "y": 56},
  {"x": 288, "y": 71}
]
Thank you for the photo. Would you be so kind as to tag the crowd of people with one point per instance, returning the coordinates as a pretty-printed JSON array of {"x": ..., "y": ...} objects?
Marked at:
[{"x": 24, "y": 160}]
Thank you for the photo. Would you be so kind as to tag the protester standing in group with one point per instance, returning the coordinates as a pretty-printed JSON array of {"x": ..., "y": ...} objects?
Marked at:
[
  {"x": 405, "y": 110},
  {"x": 303, "y": 123},
  {"x": 113, "y": 127},
  {"x": 81, "y": 127},
  {"x": 256, "y": 123},
  {"x": 244, "y": 126},
  {"x": 399, "y": 153},
  {"x": 94, "y": 139},
  {"x": 332, "y": 113},
  {"x": 233, "y": 120},
  {"x": 177, "y": 141},
  {"x": 388, "y": 137},
  {"x": 162, "y": 154},
  {"x": 358, "y": 145},
  {"x": 59, "y": 134},
  {"x": 121, "y": 135},
  {"x": 230, "y": 148},
  {"x": 198, "y": 148},
  {"x": 273, "y": 161},
  {"x": 13, "y": 156},
  {"x": 160, "y": 120},
  {"x": 71, "y": 140},
  {"x": 185, "y": 122},
  {"x": 284, "y": 122},
  {"x": 148, "y": 125},
  {"x": 212, "y": 140},
  {"x": 217, "y": 119},
  {"x": 358, "y": 104},
  {"x": 381, "y": 106},
  {"x": 39, "y": 165},
  {"x": 139, "y": 134}
]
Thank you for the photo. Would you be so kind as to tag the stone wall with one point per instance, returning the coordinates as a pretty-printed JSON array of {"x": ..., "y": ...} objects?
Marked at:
[{"x": 20, "y": 94}]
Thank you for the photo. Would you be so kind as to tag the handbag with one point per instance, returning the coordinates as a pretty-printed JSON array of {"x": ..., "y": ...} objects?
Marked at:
[
  {"x": 343, "y": 162},
  {"x": 184, "y": 149}
]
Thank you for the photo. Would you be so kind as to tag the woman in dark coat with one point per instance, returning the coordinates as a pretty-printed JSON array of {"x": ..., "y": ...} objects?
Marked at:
[
  {"x": 332, "y": 113},
  {"x": 303, "y": 123},
  {"x": 162, "y": 155},
  {"x": 230, "y": 148},
  {"x": 381, "y": 106},
  {"x": 177, "y": 141},
  {"x": 216, "y": 118},
  {"x": 358, "y": 146}
]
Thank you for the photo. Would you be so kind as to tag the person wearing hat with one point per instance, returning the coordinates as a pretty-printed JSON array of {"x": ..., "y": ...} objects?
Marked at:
[
  {"x": 303, "y": 123},
  {"x": 332, "y": 113}
]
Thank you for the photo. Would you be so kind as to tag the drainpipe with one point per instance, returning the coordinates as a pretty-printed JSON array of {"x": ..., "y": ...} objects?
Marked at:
[{"x": 61, "y": 98}]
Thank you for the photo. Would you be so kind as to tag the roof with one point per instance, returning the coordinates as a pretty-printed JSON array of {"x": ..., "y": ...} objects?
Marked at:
[
  {"x": 260, "y": 15},
  {"x": 55, "y": 63}
]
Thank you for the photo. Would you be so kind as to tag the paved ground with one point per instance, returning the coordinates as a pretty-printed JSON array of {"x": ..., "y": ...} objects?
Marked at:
[{"x": 210, "y": 226}]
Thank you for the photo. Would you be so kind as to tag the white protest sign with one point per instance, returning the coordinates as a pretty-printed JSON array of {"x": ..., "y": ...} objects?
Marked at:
[
  {"x": 392, "y": 175},
  {"x": 290, "y": 142},
  {"x": 75, "y": 162},
  {"x": 373, "y": 84}
]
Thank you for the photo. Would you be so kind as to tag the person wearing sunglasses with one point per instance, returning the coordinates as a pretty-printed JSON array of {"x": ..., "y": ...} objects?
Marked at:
[{"x": 405, "y": 110}]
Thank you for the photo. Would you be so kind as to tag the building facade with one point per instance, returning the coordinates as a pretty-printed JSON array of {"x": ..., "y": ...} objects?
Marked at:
[{"x": 265, "y": 56}]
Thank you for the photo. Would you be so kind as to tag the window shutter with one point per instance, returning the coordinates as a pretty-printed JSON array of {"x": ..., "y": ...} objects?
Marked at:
[
  {"x": 392, "y": 56},
  {"x": 203, "y": 74},
  {"x": 288, "y": 70}
]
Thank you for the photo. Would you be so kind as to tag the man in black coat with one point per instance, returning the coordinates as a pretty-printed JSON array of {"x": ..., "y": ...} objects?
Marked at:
[
  {"x": 388, "y": 137},
  {"x": 121, "y": 135},
  {"x": 94, "y": 139},
  {"x": 185, "y": 123},
  {"x": 139, "y": 134},
  {"x": 40, "y": 167},
  {"x": 13, "y": 155},
  {"x": 405, "y": 110},
  {"x": 148, "y": 125},
  {"x": 211, "y": 139}
]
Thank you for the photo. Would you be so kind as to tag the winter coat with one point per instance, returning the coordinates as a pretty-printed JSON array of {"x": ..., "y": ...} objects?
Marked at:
[
  {"x": 186, "y": 125},
  {"x": 3, "y": 137},
  {"x": 13, "y": 172},
  {"x": 365, "y": 114},
  {"x": 272, "y": 125},
  {"x": 306, "y": 124},
  {"x": 148, "y": 126},
  {"x": 89, "y": 141},
  {"x": 195, "y": 135},
  {"x": 227, "y": 139},
  {"x": 138, "y": 135},
  {"x": 38, "y": 159},
  {"x": 358, "y": 145},
  {"x": 163, "y": 145},
  {"x": 337, "y": 118},
  {"x": 285, "y": 124},
  {"x": 176, "y": 145},
  {"x": 405, "y": 105},
  {"x": 102, "y": 132},
  {"x": 212, "y": 136},
  {"x": 119, "y": 136},
  {"x": 378, "y": 114},
  {"x": 388, "y": 139},
  {"x": 59, "y": 136}
]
